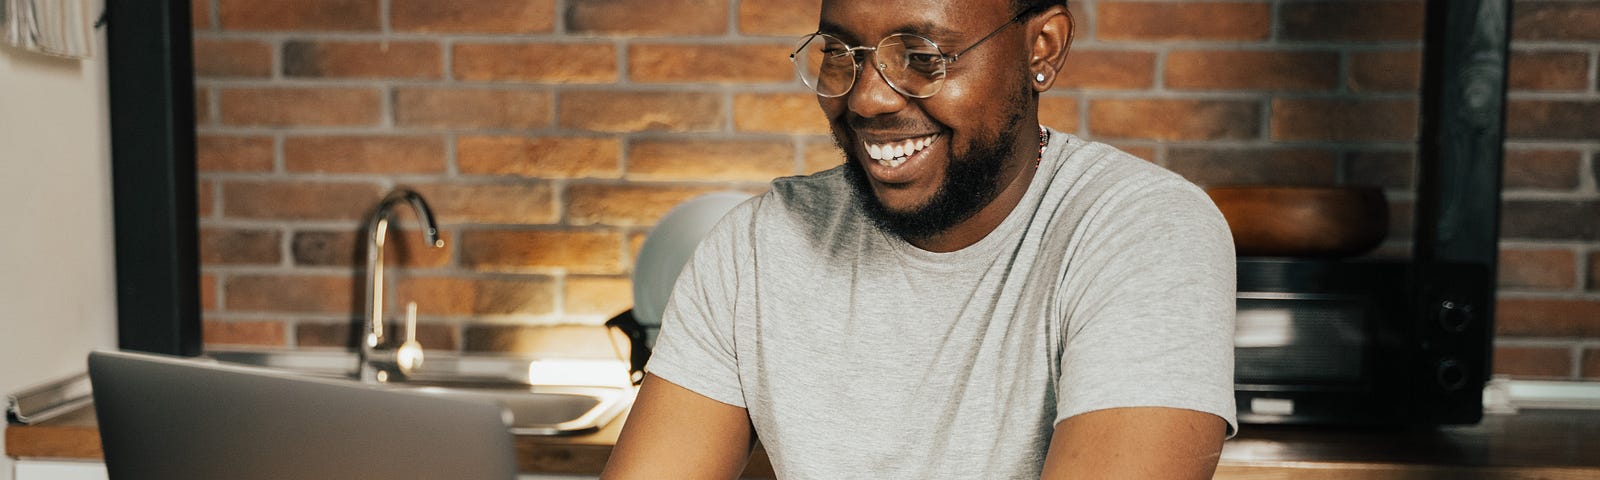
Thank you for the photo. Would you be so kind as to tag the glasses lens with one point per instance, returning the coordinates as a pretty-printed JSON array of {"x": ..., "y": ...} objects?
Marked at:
[
  {"x": 912, "y": 64},
  {"x": 825, "y": 64}
]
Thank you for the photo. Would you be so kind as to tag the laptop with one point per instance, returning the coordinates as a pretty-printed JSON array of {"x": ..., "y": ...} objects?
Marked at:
[{"x": 179, "y": 418}]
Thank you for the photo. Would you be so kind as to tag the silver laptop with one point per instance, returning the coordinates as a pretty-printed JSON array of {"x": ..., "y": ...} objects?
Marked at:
[{"x": 172, "y": 418}]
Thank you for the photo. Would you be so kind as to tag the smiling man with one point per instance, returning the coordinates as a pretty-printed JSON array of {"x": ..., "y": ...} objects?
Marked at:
[{"x": 970, "y": 295}]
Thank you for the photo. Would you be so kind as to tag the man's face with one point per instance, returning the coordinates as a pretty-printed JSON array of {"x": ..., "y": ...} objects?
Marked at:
[{"x": 957, "y": 148}]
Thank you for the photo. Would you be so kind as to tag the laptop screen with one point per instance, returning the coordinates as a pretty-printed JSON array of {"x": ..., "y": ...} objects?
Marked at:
[{"x": 172, "y": 418}]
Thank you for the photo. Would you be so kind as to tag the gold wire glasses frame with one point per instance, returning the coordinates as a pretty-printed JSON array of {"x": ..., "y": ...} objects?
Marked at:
[{"x": 911, "y": 64}]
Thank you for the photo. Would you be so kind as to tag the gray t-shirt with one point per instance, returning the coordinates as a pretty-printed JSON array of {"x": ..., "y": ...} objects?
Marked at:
[{"x": 858, "y": 355}]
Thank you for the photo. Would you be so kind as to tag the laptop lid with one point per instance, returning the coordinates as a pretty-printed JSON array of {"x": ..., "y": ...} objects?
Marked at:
[{"x": 173, "y": 418}]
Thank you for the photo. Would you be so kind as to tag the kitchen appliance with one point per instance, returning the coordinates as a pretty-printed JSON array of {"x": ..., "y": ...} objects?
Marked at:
[
  {"x": 1361, "y": 341},
  {"x": 1405, "y": 341}
]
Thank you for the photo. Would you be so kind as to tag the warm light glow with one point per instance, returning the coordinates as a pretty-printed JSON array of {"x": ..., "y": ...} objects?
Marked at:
[
  {"x": 604, "y": 373},
  {"x": 1263, "y": 328}
]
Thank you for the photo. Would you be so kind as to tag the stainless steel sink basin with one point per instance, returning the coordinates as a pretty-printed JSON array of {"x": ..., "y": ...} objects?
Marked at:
[{"x": 538, "y": 406}]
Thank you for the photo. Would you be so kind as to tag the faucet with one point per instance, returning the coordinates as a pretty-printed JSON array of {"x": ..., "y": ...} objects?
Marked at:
[{"x": 378, "y": 362}]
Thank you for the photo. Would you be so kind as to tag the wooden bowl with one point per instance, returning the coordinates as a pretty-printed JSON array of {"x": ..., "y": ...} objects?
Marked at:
[{"x": 1303, "y": 221}]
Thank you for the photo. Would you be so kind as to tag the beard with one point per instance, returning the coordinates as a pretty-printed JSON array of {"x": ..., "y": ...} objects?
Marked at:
[{"x": 971, "y": 182}]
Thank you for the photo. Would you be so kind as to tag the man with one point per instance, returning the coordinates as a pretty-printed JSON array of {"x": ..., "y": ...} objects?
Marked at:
[{"x": 968, "y": 296}]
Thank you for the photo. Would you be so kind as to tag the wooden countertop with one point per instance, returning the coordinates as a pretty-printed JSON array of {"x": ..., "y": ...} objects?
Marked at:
[{"x": 1536, "y": 444}]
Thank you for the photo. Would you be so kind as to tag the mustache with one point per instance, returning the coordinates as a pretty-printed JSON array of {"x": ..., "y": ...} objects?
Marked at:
[{"x": 893, "y": 123}]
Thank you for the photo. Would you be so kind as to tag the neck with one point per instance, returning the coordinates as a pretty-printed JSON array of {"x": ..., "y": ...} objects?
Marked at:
[{"x": 1019, "y": 172}]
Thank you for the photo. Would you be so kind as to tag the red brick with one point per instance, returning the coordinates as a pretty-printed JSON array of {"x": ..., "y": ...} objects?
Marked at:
[
  {"x": 298, "y": 200},
  {"x": 1387, "y": 71},
  {"x": 205, "y": 197},
  {"x": 405, "y": 248},
  {"x": 625, "y": 205},
  {"x": 232, "y": 58},
  {"x": 309, "y": 15},
  {"x": 1557, "y": 71},
  {"x": 200, "y": 15},
  {"x": 1351, "y": 20},
  {"x": 202, "y": 107},
  {"x": 540, "y": 157},
  {"x": 364, "y": 154},
  {"x": 1108, "y": 70},
  {"x": 1162, "y": 119},
  {"x": 341, "y": 335},
  {"x": 474, "y": 296},
  {"x": 1236, "y": 166},
  {"x": 1526, "y": 362},
  {"x": 647, "y": 17},
  {"x": 1547, "y": 317},
  {"x": 821, "y": 155},
  {"x": 1538, "y": 269},
  {"x": 323, "y": 107},
  {"x": 292, "y": 293},
  {"x": 1594, "y": 271},
  {"x": 472, "y": 108},
  {"x": 1252, "y": 69},
  {"x": 667, "y": 63},
  {"x": 473, "y": 16},
  {"x": 1542, "y": 169},
  {"x": 508, "y": 203},
  {"x": 1183, "y": 21},
  {"x": 1555, "y": 21},
  {"x": 710, "y": 160},
  {"x": 218, "y": 153},
  {"x": 788, "y": 18},
  {"x": 573, "y": 251},
  {"x": 1553, "y": 119},
  {"x": 1344, "y": 119},
  {"x": 607, "y": 111},
  {"x": 778, "y": 113},
  {"x": 536, "y": 62},
  {"x": 208, "y": 292},
  {"x": 1387, "y": 169},
  {"x": 1060, "y": 113},
  {"x": 606, "y": 296},
  {"x": 1591, "y": 363},
  {"x": 265, "y": 333},
  {"x": 341, "y": 59},
  {"x": 1550, "y": 219},
  {"x": 228, "y": 246}
]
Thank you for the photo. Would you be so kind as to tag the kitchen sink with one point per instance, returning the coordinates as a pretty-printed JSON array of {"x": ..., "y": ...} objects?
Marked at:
[{"x": 542, "y": 396}]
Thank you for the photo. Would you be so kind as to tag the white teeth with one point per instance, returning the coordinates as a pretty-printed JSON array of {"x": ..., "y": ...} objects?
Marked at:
[{"x": 892, "y": 155}]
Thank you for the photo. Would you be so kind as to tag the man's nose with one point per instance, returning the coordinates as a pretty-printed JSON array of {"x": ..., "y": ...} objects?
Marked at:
[{"x": 872, "y": 95}]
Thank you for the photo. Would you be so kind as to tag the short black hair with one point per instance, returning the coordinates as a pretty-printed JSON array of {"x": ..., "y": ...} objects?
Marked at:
[{"x": 1032, "y": 7}]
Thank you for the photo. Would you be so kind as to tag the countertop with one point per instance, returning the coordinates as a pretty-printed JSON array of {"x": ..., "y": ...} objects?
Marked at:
[{"x": 1535, "y": 444}]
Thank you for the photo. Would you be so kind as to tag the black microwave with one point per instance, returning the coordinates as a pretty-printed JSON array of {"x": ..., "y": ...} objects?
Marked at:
[
  {"x": 1361, "y": 342},
  {"x": 1405, "y": 341}
]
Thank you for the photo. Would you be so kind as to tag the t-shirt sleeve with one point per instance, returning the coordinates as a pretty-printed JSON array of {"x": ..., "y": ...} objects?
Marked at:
[
  {"x": 1150, "y": 315},
  {"x": 695, "y": 348}
]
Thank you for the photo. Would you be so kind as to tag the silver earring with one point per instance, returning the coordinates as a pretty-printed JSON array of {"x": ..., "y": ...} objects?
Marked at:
[{"x": 1038, "y": 77}]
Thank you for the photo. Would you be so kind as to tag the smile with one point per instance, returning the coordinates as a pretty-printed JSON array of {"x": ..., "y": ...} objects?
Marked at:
[{"x": 895, "y": 153}]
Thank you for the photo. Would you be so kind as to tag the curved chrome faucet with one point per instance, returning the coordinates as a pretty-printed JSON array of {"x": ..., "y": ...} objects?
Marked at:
[{"x": 378, "y": 364}]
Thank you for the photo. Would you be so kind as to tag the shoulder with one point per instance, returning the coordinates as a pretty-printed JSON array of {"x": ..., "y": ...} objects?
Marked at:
[{"x": 1094, "y": 178}]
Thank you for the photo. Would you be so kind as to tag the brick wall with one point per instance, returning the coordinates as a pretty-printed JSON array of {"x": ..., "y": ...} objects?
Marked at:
[{"x": 550, "y": 135}]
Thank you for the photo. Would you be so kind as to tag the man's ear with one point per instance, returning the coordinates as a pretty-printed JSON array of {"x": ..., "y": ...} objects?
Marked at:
[{"x": 1052, "y": 32}]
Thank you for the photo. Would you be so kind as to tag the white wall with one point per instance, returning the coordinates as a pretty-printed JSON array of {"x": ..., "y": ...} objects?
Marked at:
[{"x": 57, "y": 284}]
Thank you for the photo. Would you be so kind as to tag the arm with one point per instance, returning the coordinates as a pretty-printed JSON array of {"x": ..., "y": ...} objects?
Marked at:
[
  {"x": 1136, "y": 442},
  {"x": 674, "y": 432}
]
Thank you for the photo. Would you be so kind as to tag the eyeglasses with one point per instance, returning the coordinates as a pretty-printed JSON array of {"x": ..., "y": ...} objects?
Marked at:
[{"x": 912, "y": 64}]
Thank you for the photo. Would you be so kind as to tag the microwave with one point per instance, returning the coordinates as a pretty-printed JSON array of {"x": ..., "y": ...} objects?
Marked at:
[{"x": 1361, "y": 341}]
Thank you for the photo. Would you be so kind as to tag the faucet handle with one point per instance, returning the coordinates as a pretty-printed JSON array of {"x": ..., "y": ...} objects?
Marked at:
[{"x": 409, "y": 356}]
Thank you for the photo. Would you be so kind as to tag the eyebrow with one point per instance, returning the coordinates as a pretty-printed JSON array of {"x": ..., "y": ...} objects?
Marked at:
[{"x": 924, "y": 28}]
